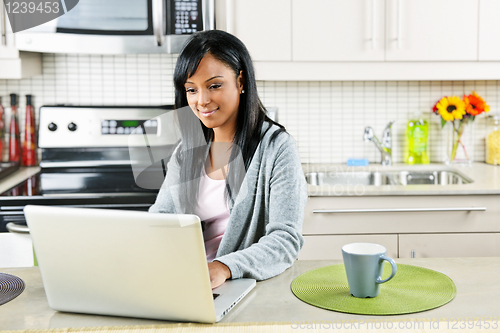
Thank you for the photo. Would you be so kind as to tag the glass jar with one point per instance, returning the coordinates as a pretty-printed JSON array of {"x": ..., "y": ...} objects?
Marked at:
[{"x": 493, "y": 141}]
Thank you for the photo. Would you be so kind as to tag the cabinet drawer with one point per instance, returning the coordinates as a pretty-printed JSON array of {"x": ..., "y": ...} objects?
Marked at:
[
  {"x": 436, "y": 220},
  {"x": 449, "y": 245},
  {"x": 329, "y": 247}
]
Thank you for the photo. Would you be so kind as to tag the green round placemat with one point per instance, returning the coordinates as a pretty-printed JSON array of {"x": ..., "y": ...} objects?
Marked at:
[{"x": 413, "y": 289}]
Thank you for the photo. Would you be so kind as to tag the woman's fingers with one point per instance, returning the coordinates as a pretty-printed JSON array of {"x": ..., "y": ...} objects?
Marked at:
[{"x": 218, "y": 272}]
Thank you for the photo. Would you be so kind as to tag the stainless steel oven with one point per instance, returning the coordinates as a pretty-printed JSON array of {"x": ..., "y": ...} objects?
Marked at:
[
  {"x": 120, "y": 27},
  {"x": 88, "y": 158}
]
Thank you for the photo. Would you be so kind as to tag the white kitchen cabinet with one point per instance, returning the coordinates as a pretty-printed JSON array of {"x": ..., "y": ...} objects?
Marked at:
[
  {"x": 325, "y": 40},
  {"x": 328, "y": 247},
  {"x": 13, "y": 63},
  {"x": 263, "y": 26},
  {"x": 489, "y": 26},
  {"x": 430, "y": 233},
  {"x": 449, "y": 245},
  {"x": 432, "y": 30},
  {"x": 393, "y": 221},
  {"x": 391, "y": 30},
  {"x": 338, "y": 30}
]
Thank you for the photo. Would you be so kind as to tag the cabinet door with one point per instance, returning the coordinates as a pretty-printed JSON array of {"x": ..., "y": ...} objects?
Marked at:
[
  {"x": 340, "y": 215},
  {"x": 338, "y": 30},
  {"x": 7, "y": 50},
  {"x": 432, "y": 30},
  {"x": 489, "y": 26},
  {"x": 263, "y": 26},
  {"x": 15, "y": 64},
  {"x": 329, "y": 247},
  {"x": 449, "y": 245}
]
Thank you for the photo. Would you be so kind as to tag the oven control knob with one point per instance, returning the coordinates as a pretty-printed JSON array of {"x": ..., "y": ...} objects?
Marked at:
[
  {"x": 72, "y": 127},
  {"x": 52, "y": 127}
]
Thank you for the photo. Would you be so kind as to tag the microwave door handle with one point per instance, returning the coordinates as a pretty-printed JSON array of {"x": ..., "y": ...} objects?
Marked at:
[
  {"x": 208, "y": 11},
  {"x": 158, "y": 21}
]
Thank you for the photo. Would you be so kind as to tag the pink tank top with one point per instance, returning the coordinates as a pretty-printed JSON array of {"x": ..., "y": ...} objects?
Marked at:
[{"x": 213, "y": 209}]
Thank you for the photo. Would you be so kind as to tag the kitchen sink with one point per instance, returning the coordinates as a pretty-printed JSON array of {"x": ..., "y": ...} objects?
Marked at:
[{"x": 389, "y": 177}]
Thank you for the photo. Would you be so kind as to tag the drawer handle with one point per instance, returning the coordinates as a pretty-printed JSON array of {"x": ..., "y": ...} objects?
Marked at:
[
  {"x": 230, "y": 16},
  {"x": 399, "y": 24},
  {"x": 399, "y": 210},
  {"x": 373, "y": 23}
]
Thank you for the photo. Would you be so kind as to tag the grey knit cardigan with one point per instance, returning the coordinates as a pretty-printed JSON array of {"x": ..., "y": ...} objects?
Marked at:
[{"x": 264, "y": 233}]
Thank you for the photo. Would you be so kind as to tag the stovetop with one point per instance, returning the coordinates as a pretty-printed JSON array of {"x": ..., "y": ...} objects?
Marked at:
[
  {"x": 87, "y": 158},
  {"x": 82, "y": 182},
  {"x": 112, "y": 188}
]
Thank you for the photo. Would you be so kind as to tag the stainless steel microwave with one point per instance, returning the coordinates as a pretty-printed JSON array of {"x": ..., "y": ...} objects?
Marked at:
[{"x": 120, "y": 27}]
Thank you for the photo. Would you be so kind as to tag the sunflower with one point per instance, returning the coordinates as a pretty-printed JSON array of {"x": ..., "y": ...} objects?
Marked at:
[
  {"x": 475, "y": 105},
  {"x": 451, "y": 108}
]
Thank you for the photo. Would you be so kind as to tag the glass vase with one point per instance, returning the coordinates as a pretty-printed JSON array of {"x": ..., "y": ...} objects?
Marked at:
[{"x": 460, "y": 143}]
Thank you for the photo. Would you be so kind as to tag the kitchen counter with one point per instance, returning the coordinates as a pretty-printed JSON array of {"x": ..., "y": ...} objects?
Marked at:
[
  {"x": 17, "y": 177},
  {"x": 476, "y": 279},
  {"x": 486, "y": 180}
]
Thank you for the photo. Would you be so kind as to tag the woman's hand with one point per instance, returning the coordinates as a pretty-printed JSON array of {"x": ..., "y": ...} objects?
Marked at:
[{"x": 218, "y": 273}]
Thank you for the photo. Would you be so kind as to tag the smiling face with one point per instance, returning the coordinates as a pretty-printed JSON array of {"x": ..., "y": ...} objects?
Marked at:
[{"x": 213, "y": 93}]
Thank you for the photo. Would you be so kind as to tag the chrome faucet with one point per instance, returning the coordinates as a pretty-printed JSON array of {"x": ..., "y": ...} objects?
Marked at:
[{"x": 386, "y": 146}]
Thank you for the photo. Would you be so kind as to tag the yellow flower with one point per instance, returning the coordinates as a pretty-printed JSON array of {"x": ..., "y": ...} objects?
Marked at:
[{"x": 451, "y": 108}]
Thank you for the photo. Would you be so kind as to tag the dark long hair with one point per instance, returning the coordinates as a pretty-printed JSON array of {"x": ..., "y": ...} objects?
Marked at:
[{"x": 251, "y": 114}]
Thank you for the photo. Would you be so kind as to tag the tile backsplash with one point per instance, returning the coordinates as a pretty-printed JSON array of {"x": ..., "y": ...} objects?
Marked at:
[{"x": 326, "y": 118}]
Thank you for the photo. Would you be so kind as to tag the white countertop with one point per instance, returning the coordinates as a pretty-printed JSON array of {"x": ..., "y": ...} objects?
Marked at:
[
  {"x": 486, "y": 180},
  {"x": 476, "y": 279}
]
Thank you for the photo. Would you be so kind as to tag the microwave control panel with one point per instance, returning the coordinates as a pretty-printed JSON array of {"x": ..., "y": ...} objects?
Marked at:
[{"x": 186, "y": 17}]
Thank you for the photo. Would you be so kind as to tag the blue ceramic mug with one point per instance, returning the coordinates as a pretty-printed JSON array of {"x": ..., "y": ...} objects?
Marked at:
[{"x": 364, "y": 264}]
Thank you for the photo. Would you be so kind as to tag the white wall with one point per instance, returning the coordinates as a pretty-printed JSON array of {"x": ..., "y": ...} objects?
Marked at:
[{"x": 326, "y": 118}]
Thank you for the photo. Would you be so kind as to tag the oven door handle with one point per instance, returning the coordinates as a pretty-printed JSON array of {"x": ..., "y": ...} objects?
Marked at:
[{"x": 16, "y": 228}]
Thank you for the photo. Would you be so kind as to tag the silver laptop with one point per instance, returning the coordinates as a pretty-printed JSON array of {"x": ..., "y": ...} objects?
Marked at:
[{"x": 128, "y": 263}]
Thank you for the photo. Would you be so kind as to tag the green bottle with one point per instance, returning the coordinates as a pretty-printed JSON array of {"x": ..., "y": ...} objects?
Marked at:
[{"x": 416, "y": 133}]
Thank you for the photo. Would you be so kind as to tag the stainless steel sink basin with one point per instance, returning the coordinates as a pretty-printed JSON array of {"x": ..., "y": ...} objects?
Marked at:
[
  {"x": 441, "y": 177},
  {"x": 346, "y": 178},
  {"x": 378, "y": 178}
]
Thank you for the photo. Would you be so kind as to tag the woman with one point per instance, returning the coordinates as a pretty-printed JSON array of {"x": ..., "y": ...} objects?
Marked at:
[{"x": 235, "y": 168}]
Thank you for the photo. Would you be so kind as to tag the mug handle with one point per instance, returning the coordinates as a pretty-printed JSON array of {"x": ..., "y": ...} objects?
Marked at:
[{"x": 394, "y": 270}]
